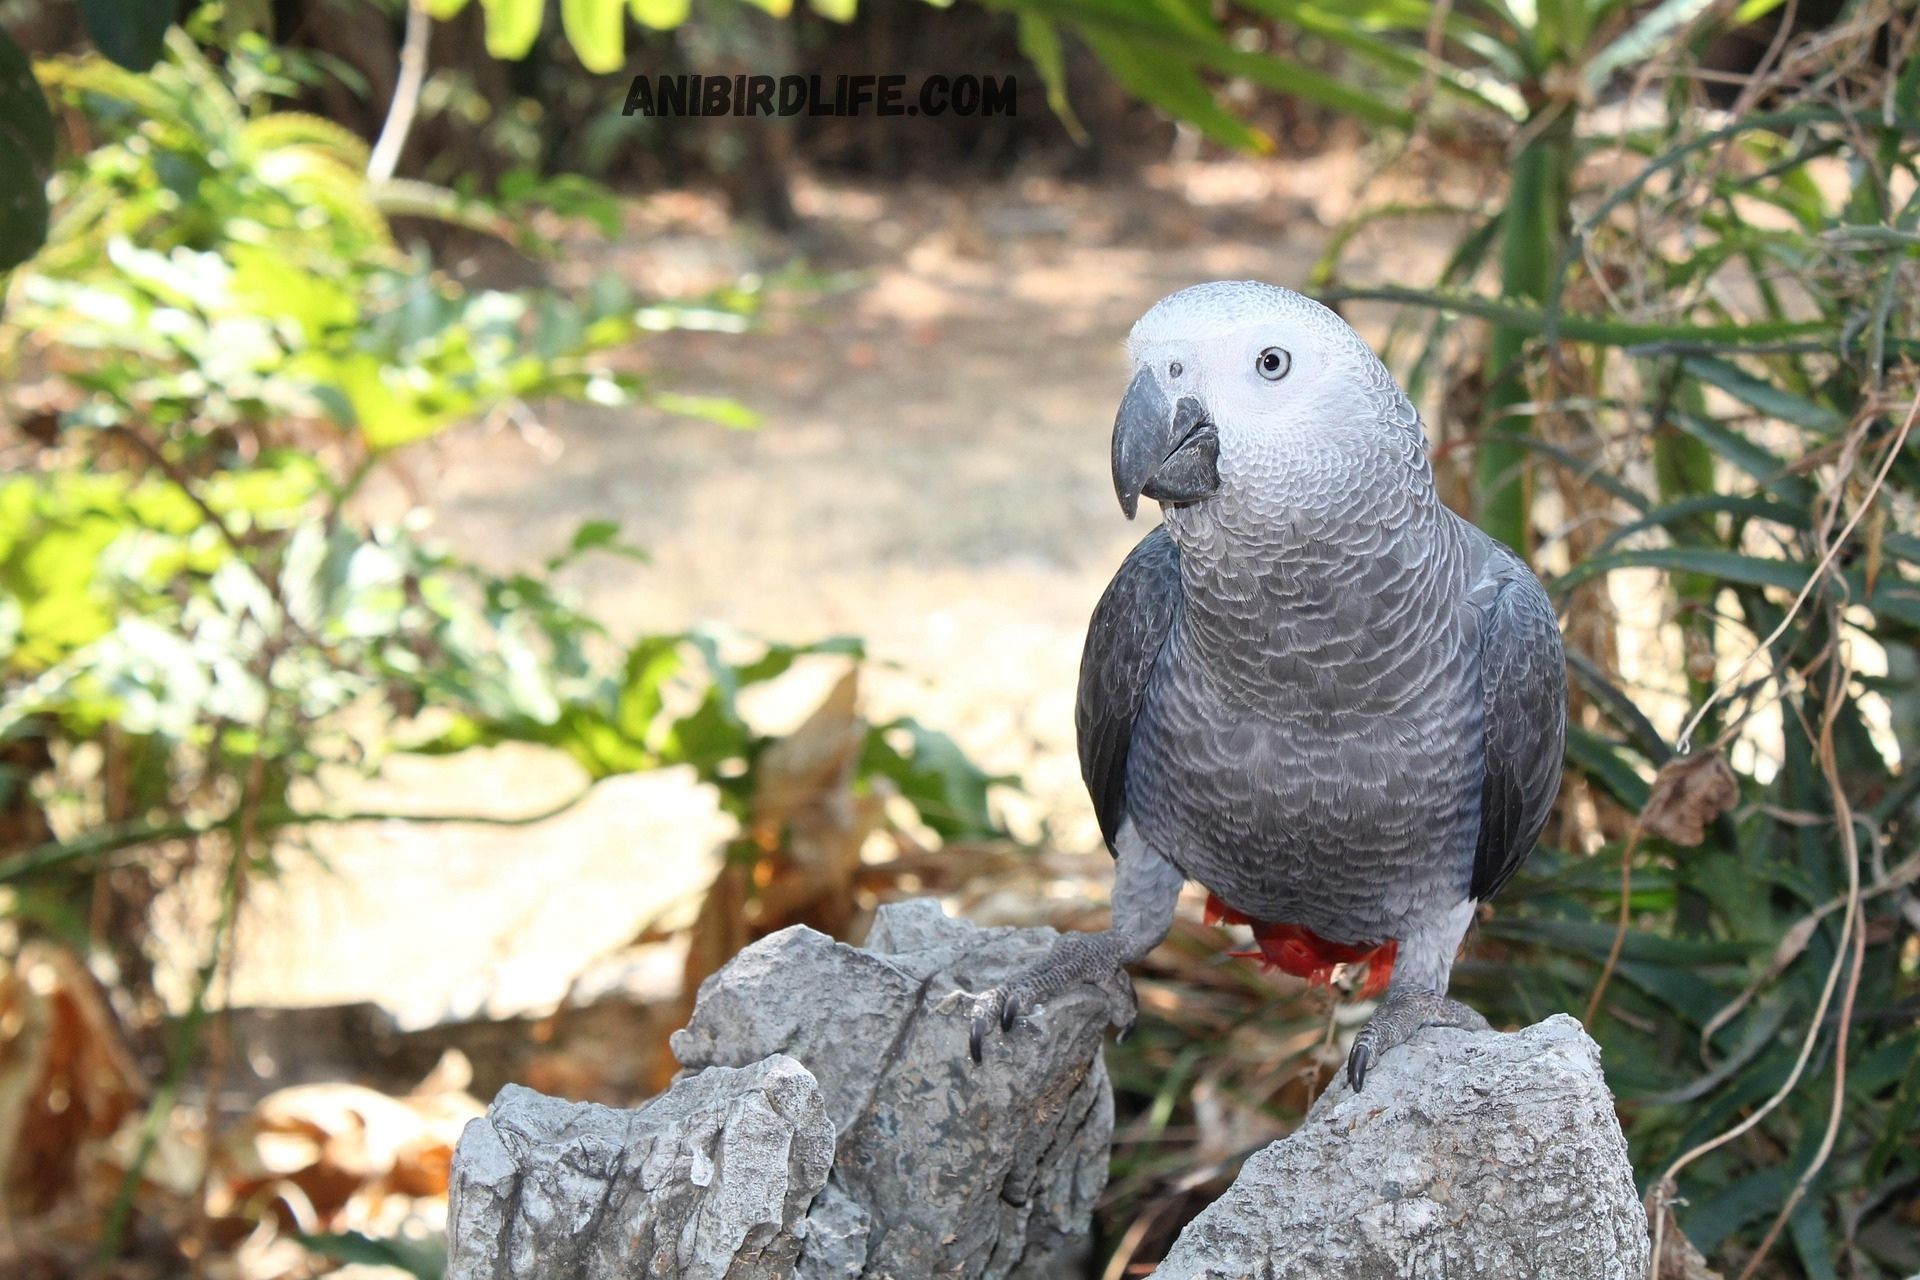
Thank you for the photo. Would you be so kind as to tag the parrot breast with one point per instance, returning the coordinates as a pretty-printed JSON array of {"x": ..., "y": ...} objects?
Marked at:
[{"x": 1298, "y": 950}]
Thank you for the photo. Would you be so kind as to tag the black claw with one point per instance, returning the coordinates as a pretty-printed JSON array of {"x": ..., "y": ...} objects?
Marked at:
[
  {"x": 1010, "y": 1013},
  {"x": 976, "y": 1038},
  {"x": 1359, "y": 1062}
]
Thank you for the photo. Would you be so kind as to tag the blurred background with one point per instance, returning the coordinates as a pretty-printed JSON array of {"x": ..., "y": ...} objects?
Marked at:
[{"x": 472, "y": 560}]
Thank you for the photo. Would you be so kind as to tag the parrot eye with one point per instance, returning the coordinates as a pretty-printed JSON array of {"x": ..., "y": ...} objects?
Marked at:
[
  {"x": 1273, "y": 363},
  {"x": 1175, "y": 369}
]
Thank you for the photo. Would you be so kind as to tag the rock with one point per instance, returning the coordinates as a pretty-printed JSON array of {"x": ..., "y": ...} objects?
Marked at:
[
  {"x": 1470, "y": 1154},
  {"x": 712, "y": 1179},
  {"x": 960, "y": 1170},
  {"x": 828, "y": 1124}
]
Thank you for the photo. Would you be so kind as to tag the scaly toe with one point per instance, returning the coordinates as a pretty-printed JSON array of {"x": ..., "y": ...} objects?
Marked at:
[{"x": 1123, "y": 1003}]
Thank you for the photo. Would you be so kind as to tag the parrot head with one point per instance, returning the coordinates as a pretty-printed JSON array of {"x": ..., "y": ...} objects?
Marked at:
[{"x": 1230, "y": 374}]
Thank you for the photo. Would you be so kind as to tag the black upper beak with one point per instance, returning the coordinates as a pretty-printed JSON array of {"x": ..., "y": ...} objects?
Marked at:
[{"x": 1169, "y": 452}]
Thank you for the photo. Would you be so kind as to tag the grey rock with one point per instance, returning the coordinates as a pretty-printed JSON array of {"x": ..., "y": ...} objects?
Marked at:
[
  {"x": 710, "y": 1181},
  {"x": 960, "y": 1170},
  {"x": 1470, "y": 1155}
]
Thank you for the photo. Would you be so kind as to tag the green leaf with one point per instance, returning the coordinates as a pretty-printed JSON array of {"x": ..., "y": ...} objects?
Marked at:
[
  {"x": 1763, "y": 395},
  {"x": 1727, "y": 566},
  {"x": 1649, "y": 35},
  {"x": 719, "y": 410},
  {"x": 130, "y": 33},
  {"x": 441, "y": 10},
  {"x": 23, "y": 108},
  {"x": 1688, "y": 509},
  {"x": 595, "y": 535},
  {"x": 1172, "y": 86},
  {"x": 512, "y": 27},
  {"x": 1606, "y": 333},
  {"x": 426, "y": 1260},
  {"x": 1608, "y": 765},
  {"x": 834, "y": 10},
  {"x": 1893, "y": 599},
  {"x": 23, "y": 204},
  {"x": 1734, "y": 447},
  {"x": 597, "y": 30},
  {"x": 665, "y": 15},
  {"x": 947, "y": 789},
  {"x": 1040, "y": 41}
]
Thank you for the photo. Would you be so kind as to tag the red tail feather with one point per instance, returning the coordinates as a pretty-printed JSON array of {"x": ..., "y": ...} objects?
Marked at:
[{"x": 1298, "y": 950}]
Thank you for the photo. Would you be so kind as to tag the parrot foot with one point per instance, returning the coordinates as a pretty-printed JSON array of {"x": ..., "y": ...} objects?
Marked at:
[
  {"x": 1404, "y": 1011},
  {"x": 1092, "y": 959}
]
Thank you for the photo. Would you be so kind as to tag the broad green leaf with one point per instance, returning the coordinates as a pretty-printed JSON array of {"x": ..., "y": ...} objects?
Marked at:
[
  {"x": 129, "y": 32},
  {"x": 834, "y": 10},
  {"x": 444, "y": 9},
  {"x": 597, "y": 30},
  {"x": 512, "y": 27}
]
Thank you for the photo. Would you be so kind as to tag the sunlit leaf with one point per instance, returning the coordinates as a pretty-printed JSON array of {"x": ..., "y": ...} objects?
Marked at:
[
  {"x": 597, "y": 31},
  {"x": 512, "y": 27}
]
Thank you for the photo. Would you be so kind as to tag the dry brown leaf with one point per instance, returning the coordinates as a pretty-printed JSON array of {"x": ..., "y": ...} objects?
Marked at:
[
  {"x": 798, "y": 861},
  {"x": 1678, "y": 1259},
  {"x": 1689, "y": 793},
  {"x": 67, "y": 1080},
  {"x": 332, "y": 1156}
]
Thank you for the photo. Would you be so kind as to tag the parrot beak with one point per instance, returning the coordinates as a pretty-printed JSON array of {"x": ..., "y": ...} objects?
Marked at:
[{"x": 1169, "y": 452}]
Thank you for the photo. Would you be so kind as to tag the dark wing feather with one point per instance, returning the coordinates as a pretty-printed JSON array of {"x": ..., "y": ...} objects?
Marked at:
[
  {"x": 1129, "y": 627},
  {"x": 1524, "y": 674}
]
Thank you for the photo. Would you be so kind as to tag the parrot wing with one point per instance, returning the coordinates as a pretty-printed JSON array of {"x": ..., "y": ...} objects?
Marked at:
[
  {"x": 1130, "y": 626},
  {"x": 1524, "y": 676}
]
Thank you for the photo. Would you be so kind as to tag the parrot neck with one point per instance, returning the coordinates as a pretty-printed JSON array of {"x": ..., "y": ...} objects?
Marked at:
[
  {"x": 1306, "y": 500},
  {"x": 1334, "y": 549}
]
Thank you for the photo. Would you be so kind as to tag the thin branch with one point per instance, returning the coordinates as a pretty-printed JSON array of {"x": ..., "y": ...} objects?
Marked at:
[
  {"x": 1620, "y": 926},
  {"x": 1814, "y": 579},
  {"x": 406, "y": 94}
]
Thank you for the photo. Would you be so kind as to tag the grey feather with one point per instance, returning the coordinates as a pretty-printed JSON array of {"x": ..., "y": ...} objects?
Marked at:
[
  {"x": 1129, "y": 628},
  {"x": 1525, "y": 682}
]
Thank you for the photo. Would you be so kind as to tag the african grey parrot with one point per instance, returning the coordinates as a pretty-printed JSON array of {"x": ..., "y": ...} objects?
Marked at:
[{"x": 1313, "y": 688}]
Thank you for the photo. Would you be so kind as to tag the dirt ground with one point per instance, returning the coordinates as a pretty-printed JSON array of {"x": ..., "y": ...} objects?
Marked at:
[{"x": 930, "y": 474}]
